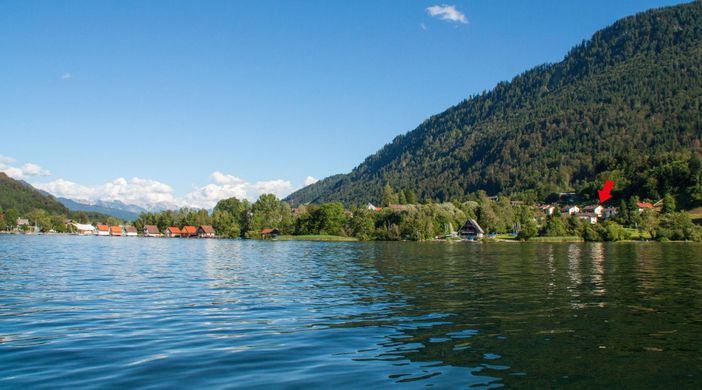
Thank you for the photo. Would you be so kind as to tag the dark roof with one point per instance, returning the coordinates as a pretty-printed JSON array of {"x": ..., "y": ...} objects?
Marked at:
[
  {"x": 269, "y": 231},
  {"x": 152, "y": 229},
  {"x": 131, "y": 229},
  {"x": 473, "y": 225},
  {"x": 207, "y": 229}
]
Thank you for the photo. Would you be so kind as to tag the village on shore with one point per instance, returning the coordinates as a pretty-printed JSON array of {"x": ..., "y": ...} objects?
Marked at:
[
  {"x": 24, "y": 226},
  {"x": 393, "y": 221}
]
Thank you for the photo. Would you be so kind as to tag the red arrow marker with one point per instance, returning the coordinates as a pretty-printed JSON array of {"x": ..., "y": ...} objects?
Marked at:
[{"x": 604, "y": 192}]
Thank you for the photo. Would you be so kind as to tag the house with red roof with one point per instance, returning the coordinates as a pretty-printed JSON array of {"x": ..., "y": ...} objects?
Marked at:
[
  {"x": 130, "y": 231},
  {"x": 173, "y": 232},
  {"x": 102, "y": 230},
  {"x": 644, "y": 206},
  {"x": 116, "y": 231},
  {"x": 188, "y": 231}
]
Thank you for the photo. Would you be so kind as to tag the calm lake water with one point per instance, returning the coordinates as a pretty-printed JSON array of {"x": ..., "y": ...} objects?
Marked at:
[{"x": 168, "y": 313}]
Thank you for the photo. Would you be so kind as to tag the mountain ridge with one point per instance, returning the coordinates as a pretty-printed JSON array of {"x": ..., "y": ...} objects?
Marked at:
[
  {"x": 115, "y": 209},
  {"x": 556, "y": 127},
  {"x": 23, "y": 197}
]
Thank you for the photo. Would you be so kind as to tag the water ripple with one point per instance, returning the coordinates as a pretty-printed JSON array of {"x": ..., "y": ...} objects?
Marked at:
[{"x": 102, "y": 312}]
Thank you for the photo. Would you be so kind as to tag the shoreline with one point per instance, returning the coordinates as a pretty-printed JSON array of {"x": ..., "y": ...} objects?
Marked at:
[{"x": 328, "y": 238}]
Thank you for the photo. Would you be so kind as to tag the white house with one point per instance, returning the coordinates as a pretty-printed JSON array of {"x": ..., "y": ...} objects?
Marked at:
[
  {"x": 570, "y": 210},
  {"x": 593, "y": 209},
  {"x": 84, "y": 229},
  {"x": 103, "y": 230},
  {"x": 547, "y": 209},
  {"x": 590, "y": 217},
  {"x": 131, "y": 231}
]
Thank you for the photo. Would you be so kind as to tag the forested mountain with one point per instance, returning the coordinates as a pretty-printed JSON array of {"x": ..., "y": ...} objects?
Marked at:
[
  {"x": 24, "y": 198},
  {"x": 625, "y": 105}
]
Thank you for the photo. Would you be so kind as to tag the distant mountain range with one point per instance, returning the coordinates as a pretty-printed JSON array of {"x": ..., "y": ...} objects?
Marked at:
[
  {"x": 116, "y": 209},
  {"x": 625, "y": 105}
]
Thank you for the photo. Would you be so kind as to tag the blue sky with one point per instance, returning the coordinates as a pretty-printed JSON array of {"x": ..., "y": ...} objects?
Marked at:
[{"x": 185, "y": 102}]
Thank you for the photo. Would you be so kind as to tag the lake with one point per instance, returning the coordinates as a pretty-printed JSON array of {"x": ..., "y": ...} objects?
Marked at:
[{"x": 177, "y": 313}]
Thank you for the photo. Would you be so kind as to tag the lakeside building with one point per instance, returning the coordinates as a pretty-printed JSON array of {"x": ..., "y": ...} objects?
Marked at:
[
  {"x": 151, "y": 231},
  {"x": 102, "y": 230},
  {"x": 130, "y": 231},
  {"x": 116, "y": 231},
  {"x": 188, "y": 231},
  {"x": 471, "y": 230},
  {"x": 372, "y": 207},
  {"x": 173, "y": 232},
  {"x": 547, "y": 209},
  {"x": 593, "y": 209},
  {"x": 644, "y": 206},
  {"x": 590, "y": 217},
  {"x": 84, "y": 229},
  {"x": 22, "y": 222},
  {"x": 570, "y": 210},
  {"x": 270, "y": 233},
  {"x": 206, "y": 231}
]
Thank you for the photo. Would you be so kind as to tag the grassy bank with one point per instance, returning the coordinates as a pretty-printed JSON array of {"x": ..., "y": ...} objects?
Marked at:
[
  {"x": 557, "y": 239},
  {"x": 636, "y": 235},
  {"x": 314, "y": 237}
]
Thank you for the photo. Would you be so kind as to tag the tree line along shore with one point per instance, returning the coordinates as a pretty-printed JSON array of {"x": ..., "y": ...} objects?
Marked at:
[{"x": 399, "y": 216}]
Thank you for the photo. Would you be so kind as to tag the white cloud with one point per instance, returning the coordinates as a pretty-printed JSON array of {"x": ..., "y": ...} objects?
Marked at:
[
  {"x": 23, "y": 172},
  {"x": 152, "y": 194},
  {"x": 155, "y": 195},
  {"x": 309, "y": 180},
  {"x": 225, "y": 186},
  {"x": 6, "y": 160},
  {"x": 141, "y": 192},
  {"x": 66, "y": 76},
  {"x": 448, "y": 13},
  {"x": 30, "y": 169}
]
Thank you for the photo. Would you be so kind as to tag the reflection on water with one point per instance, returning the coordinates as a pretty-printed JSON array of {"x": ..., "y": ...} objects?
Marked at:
[
  {"x": 89, "y": 311},
  {"x": 597, "y": 258}
]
